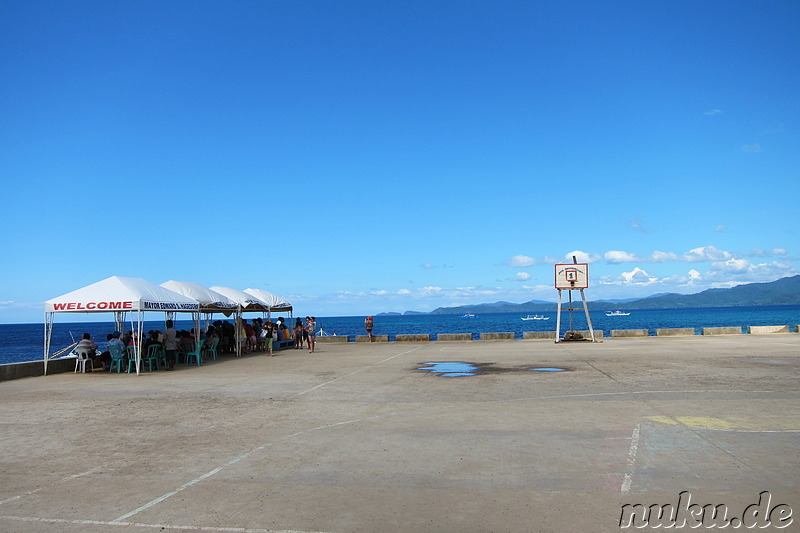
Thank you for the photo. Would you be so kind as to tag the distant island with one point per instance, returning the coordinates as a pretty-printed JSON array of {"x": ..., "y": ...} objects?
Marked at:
[{"x": 785, "y": 291}]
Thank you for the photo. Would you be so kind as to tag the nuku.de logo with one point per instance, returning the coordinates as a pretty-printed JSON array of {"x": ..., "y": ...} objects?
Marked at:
[{"x": 691, "y": 515}]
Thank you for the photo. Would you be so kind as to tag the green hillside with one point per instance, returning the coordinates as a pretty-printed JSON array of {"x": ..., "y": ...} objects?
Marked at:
[{"x": 785, "y": 291}]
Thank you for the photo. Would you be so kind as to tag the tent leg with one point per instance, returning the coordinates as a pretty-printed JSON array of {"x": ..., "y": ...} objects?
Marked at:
[{"x": 48, "y": 335}]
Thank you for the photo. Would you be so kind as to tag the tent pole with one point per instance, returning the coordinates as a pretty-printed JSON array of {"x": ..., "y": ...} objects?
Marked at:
[{"x": 48, "y": 334}]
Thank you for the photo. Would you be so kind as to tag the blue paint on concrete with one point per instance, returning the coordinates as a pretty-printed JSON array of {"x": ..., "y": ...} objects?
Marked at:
[{"x": 548, "y": 369}]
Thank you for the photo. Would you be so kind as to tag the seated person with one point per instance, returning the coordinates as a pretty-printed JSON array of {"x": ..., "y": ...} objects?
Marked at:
[
  {"x": 105, "y": 357},
  {"x": 88, "y": 346},
  {"x": 151, "y": 340},
  {"x": 187, "y": 341}
]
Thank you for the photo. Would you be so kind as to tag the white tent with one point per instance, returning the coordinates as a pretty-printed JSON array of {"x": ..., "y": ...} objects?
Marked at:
[
  {"x": 246, "y": 303},
  {"x": 210, "y": 301},
  {"x": 276, "y": 303},
  {"x": 117, "y": 295}
]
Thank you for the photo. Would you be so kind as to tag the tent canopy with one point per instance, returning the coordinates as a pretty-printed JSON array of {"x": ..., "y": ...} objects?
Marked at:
[
  {"x": 276, "y": 303},
  {"x": 247, "y": 302},
  {"x": 210, "y": 301},
  {"x": 118, "y": 294}
]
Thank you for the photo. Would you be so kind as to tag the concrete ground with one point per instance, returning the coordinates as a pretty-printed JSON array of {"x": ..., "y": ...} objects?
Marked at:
[{"x": 355, "y": 438}]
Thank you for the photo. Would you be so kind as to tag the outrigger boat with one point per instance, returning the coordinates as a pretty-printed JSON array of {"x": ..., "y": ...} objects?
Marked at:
[{"x": 536, "y": 317}]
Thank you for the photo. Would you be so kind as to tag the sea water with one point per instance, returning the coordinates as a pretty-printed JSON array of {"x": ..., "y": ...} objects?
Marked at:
[{"x": 25, "y": 342}]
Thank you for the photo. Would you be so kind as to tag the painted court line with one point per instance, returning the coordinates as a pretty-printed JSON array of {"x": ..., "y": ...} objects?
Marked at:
[
  {"x": 150, "y": 526},
  {"x": 632, "y": 451},
  {"x": 315, "y": 387},
  {"x": 232, "y": 462},
  {"x": 624, "y": 393},
  {"x": 64, "y": 480}
]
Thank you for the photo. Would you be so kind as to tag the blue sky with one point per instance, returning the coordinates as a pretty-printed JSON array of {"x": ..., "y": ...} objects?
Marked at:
[{"x": 357, "y": 157}]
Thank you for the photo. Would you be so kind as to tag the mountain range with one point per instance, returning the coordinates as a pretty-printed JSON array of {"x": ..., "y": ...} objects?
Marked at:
[{"x": 785, "y": 291}]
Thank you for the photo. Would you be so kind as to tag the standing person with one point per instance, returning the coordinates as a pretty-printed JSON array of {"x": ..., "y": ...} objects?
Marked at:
[
  {"x": 368, "y": 324},
  {"x": 311, "y": 326},
  {"x": 170, "y": 345},
  {"x": 298, "y": 334},
  {"x": 270, "y": 336}
]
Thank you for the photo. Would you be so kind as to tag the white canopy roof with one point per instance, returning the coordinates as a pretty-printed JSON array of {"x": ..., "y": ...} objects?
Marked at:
[
  {"x": 209, "y": 300},
  {"x": 276, "y": 303},
  {"x": 121, "y": 294},
  {"x": 248, "y": 302}
]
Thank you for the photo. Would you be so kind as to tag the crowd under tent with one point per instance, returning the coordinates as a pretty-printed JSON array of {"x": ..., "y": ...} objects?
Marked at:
[
  {"x": 246, "y": 303},
  {"x": 121, "y": 296},
  {"x": 210, "y": 301},
  {"x": 275, "y": 303}
]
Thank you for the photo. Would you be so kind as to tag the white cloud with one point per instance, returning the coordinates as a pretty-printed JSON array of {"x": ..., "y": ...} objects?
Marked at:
[
  {"x": 662, "y": 257},
  {"x": 522, "y": 276},
  {"x": 706, "y": 253},
  {"x": 752, "y": 148},
  {"x": 521, "y": 261},
  {"x": 637, "y": 276},
  {"x": 618, "y": 256},
  {"x": 427, "y": 266},
  {"x": 403, "y": 291},
  {"x": 582, "y": 257},
  {"x": 712, "y": 112},
  {"x": 638, "y": 226},
  {"x": 427, "y": 291},
  {"x": 720, "y": 228}
]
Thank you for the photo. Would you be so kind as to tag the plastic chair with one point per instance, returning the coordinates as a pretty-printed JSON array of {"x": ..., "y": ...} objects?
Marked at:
[
  {"x": 153, "y": 354},
  {"x": 131, "y": 358},
  {"x": 117, "y": 357},
  {"x": 212, "y": 350},
  {"x": 196, "y": 354},
  {"x": 80, "y": 362}
]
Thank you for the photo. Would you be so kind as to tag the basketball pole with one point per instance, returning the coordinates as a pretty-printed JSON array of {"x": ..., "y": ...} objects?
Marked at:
[{"x": 571, "y": 280}]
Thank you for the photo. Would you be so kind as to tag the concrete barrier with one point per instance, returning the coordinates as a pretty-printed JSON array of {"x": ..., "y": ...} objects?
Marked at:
[
  {"x": 762, "y": 330},
  {"x": 629, "y": 333},
  {"x": 332, "y": 339},
  {"x": 35, "y": 368},
  {"x": 375, "y": 338},
  {"x": 539, "y": 335},
  {"x": 672, "y": 332},
  {"x": 454, "y": 337},
  {"x": 598, "y": 334},
  {"x": 499, "y": 336},
  {"x": 724, "y": 330},
  {"x": 413, "y": 337}
]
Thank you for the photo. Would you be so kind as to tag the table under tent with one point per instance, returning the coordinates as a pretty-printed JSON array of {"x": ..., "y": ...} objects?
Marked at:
[{"x": 122, "y": 296}]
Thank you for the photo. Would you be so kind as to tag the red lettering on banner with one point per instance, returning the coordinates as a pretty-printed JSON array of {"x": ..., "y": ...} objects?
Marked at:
[{"x": 91, "y": 306}]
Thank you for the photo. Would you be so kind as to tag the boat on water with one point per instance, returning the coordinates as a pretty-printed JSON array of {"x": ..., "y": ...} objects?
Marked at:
[
  {"x": 616, "y": 313},
  {"x": 468, "y": 315},
  {"x": 536, "y": 317}
]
